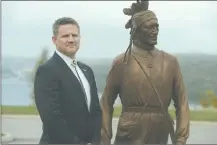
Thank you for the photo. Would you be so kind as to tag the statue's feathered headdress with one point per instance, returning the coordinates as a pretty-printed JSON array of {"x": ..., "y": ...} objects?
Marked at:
[{"x": 136, "y": 8}]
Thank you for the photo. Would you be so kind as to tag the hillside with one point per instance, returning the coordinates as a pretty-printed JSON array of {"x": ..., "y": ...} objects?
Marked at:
[{"x": 199, "y": 71}]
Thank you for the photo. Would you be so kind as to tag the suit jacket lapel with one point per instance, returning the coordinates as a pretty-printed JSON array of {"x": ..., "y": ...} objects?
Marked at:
[
  {"x": 85, "y": 72},
  {"x": 69, "y": 74},
  {"x": 67, "y": 71}
]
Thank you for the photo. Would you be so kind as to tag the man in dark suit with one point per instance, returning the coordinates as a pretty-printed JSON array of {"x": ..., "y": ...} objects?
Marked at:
[{"x": 66, "y": 92}]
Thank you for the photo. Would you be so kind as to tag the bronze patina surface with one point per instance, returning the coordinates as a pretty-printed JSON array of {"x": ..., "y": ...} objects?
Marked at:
[{"x": 146, "y": 79}]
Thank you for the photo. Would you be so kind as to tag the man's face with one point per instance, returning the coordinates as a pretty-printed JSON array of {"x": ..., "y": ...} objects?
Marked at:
[
  {"x": 147, "y": 33},
  {"x": 67, "y": 39}
]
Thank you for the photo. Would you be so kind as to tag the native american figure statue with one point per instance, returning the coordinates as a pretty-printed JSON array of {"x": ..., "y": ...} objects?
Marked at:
[{"x": 147, "y": 80}]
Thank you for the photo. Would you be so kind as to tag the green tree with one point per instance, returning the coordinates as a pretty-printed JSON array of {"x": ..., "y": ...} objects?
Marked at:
[
  {"x": 42, "y": 58},
  {"x": 209, "y": 98}
]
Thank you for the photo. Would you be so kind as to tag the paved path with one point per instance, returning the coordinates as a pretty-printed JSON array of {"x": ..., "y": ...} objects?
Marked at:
[{"x": 27, "y": 130}]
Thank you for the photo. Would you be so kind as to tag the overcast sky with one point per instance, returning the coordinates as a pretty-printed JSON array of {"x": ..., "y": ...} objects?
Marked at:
[{"x": 185, "y": 27}]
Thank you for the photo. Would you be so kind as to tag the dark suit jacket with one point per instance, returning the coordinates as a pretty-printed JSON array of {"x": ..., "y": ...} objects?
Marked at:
[{"x": 62, "y": 107}]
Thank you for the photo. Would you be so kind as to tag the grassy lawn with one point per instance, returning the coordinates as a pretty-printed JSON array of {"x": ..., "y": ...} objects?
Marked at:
[
  {"x": 204, "y": 115},
  {"x": 26, "y": 110}
]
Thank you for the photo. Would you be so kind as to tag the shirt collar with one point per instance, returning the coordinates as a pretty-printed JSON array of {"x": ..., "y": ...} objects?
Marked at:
[
  {"x": 69, "y": 61},
  {"x": 144, "y": 53}
]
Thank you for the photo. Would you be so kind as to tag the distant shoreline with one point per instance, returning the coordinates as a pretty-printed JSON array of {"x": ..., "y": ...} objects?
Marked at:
[
  {"x": 26, "y": 101},
  {"x": 195, "y": 115},
  {"x": 192, "y": 106}
]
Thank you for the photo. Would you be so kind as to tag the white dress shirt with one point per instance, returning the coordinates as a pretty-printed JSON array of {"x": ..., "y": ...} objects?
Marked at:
[{"x": 69, "y": 61}]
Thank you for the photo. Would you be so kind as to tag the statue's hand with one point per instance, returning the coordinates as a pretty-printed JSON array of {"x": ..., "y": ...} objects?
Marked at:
[
  {"x": 105, "y": 140},
  {"x": 179, "y": 143}
]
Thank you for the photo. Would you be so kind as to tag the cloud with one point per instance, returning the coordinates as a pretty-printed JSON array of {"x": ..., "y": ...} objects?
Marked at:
[
  {"x": 86, "y": 11},
  {"x": 103, "y": 12},
  {"x": 189, "y": 25}
]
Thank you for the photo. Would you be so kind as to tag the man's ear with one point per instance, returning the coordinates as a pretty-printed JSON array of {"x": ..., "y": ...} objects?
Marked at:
[{"x": 54, "y": 39}]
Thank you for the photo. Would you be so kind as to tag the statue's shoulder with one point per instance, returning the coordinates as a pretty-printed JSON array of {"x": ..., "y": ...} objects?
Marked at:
[
  {"x": 168, "y": 56},
  {"x": 118, "y": 59}
]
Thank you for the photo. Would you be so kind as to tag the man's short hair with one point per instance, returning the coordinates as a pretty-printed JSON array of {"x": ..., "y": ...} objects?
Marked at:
[{"x": 64, "y": 21}]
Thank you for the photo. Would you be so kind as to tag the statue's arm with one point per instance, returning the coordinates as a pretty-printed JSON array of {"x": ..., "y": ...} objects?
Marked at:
[
  {"x": 182, "y": 107},
  {"x": 109, "y": 96}
]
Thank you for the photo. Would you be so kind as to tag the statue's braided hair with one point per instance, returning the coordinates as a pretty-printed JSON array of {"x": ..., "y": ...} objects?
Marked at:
[{"x": 135, "y": 8}]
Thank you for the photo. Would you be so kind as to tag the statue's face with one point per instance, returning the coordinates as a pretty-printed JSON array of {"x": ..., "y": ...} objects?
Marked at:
[{"x": 147, "y": 33}]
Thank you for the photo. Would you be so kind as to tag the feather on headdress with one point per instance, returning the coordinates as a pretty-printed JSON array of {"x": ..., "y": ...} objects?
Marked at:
[{"x": 139, "y": 6}]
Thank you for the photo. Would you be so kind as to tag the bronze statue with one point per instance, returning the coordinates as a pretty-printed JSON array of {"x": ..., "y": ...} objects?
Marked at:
[{"x": 146, "y": 79}]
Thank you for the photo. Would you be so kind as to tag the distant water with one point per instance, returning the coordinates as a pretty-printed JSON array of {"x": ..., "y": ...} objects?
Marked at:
[
  {"x": 18, "y": 91},
  {"x": 15, "y": 92}
]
